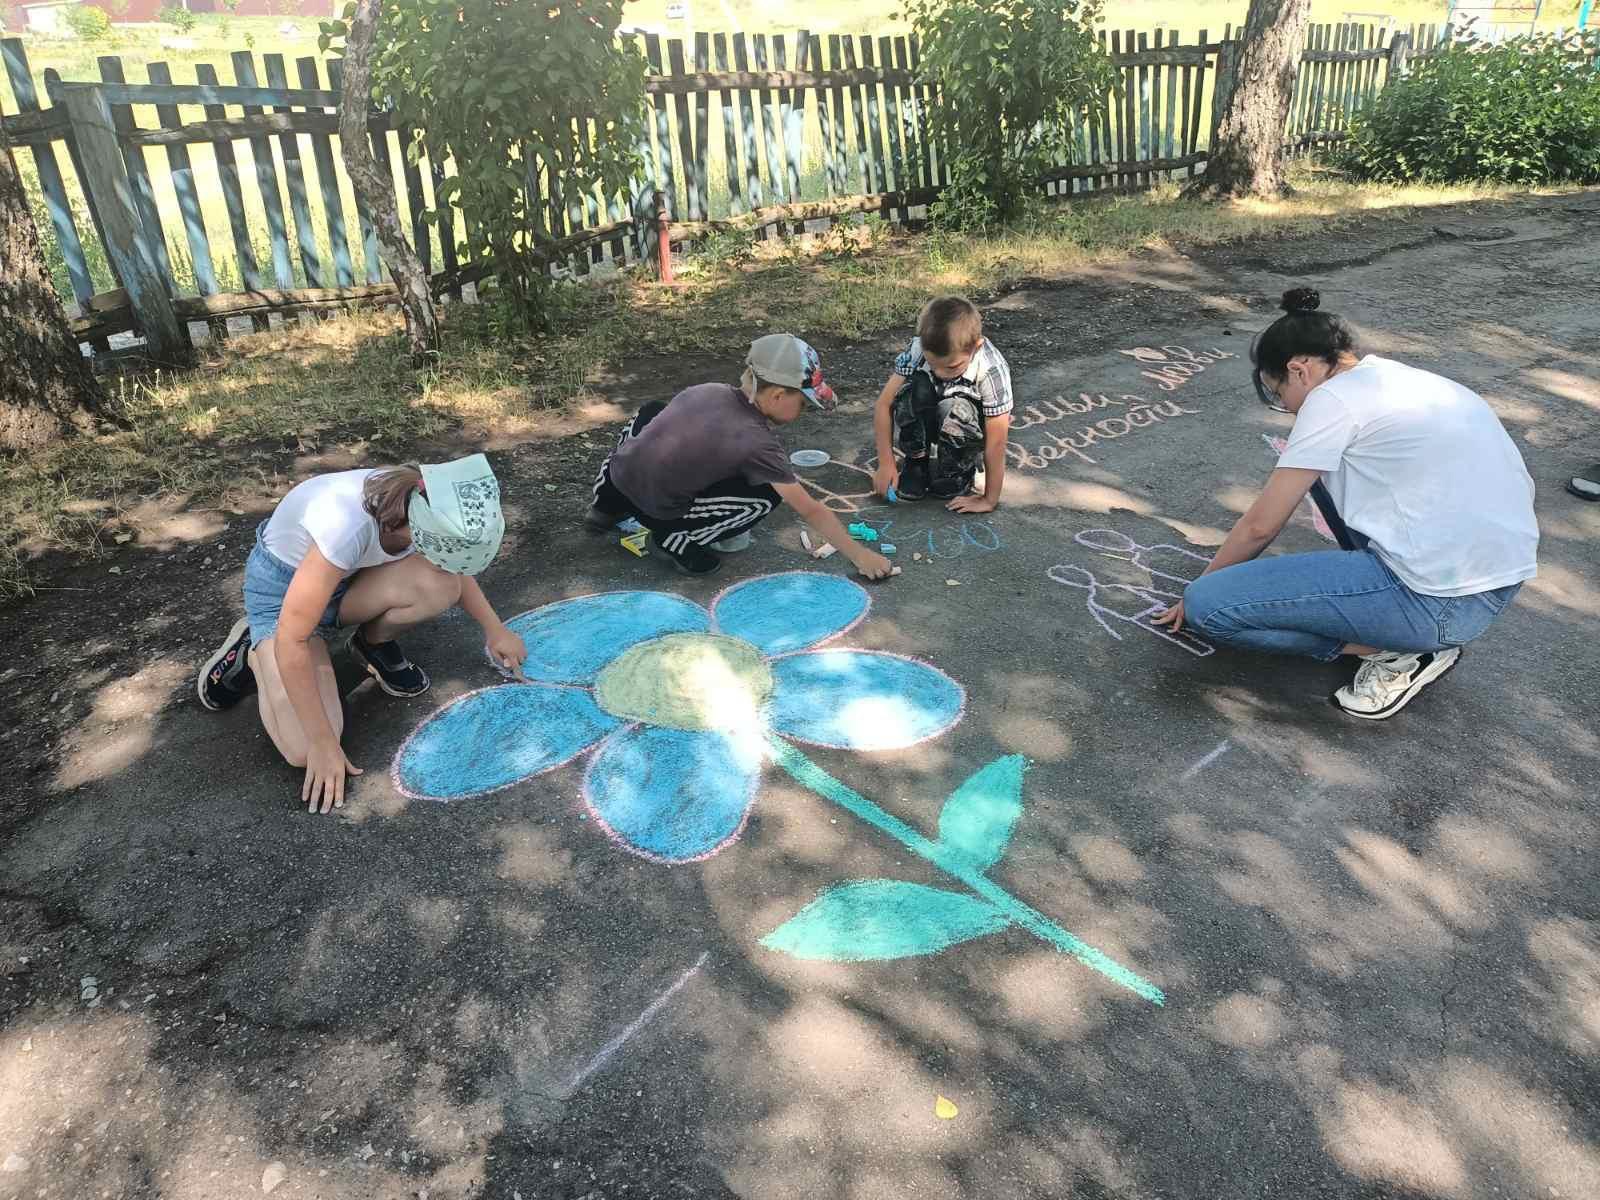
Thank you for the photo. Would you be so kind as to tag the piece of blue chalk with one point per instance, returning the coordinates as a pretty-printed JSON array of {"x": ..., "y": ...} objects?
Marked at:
[
  {"x": 886, "y": 547},
  {"x": 891, "y": 496}
]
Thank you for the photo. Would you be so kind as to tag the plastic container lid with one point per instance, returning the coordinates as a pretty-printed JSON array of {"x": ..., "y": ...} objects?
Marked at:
[{"x": 809, "y": 458}]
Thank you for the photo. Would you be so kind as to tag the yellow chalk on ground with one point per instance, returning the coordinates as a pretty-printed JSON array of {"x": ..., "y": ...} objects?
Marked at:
[
  {"x": 944, "y": 1109},
  {"x": 637, "y": 544}
]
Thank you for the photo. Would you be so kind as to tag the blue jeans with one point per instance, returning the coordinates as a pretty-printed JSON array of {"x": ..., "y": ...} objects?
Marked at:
[
  {"x": 266, "y": 580},
  {"x": 1316, "y": 604}
]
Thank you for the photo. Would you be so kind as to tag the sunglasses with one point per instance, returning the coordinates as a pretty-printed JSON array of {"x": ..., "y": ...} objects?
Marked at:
[{"x": 1265, "y": 394}]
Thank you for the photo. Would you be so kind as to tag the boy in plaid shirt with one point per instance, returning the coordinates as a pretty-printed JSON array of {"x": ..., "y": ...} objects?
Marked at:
[{"x": 948, "y": 406}]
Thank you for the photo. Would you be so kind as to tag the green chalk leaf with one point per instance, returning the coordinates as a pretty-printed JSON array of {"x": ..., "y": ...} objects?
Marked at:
[
  {"x": 977, "y": 820},
  {"x": 870, "y": 919}
]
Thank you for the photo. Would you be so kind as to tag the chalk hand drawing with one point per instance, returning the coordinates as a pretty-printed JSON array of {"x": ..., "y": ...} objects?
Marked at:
[
  {"x": 1138, "y": 605},
  {"x": 1186, "y": 564},
  {"x": 1318, "y": 521},
  {"x": 680, "y": 709}
]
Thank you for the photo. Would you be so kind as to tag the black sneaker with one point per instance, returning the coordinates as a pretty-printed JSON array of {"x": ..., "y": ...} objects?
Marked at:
[
  {"x": 693, "y": 559},
  {"x": 949, "y": 483},
  {"x": 913, "y": 483},
  {"x": 597, "y": 521},
  {"x": 388, "y": 664},
  {"x": 227, "y": 678}
]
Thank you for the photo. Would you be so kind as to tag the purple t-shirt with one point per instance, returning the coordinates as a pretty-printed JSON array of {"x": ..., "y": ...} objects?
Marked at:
[{"x": 708, "y": 433}]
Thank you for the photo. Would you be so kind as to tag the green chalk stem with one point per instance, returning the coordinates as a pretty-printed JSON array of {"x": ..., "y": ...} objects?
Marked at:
[{"x": 808, "y": 774}]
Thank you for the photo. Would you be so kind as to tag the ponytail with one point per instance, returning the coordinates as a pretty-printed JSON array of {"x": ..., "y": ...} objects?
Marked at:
[{"x": 387, "y": 495}]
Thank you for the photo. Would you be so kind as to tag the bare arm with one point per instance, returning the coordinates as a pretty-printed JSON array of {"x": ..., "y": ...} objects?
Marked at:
[
  {"x": 303, "y": 604},
  {"x": 505, "y": 647},
  {"x": 1257, "y": 529},
  {"x": 887, "y": 474},
  {"x": 827, "y": 526},
  {"x": 996, "y": 430}
]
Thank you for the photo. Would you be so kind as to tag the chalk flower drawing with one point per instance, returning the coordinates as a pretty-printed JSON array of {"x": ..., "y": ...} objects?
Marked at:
[{"x": 682, "y": 707}]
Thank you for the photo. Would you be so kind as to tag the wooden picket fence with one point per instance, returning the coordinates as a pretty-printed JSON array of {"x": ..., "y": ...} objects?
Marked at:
[{"x": 138, "y": 179}]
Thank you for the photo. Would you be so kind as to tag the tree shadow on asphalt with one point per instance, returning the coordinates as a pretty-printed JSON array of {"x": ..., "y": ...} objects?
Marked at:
[{"x": 1378, "y": 944}]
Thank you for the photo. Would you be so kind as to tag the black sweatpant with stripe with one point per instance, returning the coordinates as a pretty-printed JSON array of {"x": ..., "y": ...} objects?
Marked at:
[{"x": 725, "y": 509}]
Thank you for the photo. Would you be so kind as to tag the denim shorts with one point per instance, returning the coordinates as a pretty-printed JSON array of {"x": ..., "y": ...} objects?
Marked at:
[{"x": 266, "y": 581}]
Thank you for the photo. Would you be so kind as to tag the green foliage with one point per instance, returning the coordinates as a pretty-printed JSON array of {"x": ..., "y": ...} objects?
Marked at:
[
  {"x": 87, "y": 23},
  {"x": 1524, "y": 111},
  {"x": 492, "y": 85},
  {"x": 1012, "y": 76},
  {"x": 177, "y": 16}
]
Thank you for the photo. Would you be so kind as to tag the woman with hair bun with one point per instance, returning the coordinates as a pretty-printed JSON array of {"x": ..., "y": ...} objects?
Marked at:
[{"x": 1422, "y": 486}]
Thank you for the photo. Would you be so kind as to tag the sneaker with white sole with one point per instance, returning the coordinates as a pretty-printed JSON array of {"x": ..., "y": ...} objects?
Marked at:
[
  {"x": 732, "y": 545},
  {"x": 388, "y": 664},
  {"x": 227, "y": 678},
  {"x": 1385, "y": 682}
]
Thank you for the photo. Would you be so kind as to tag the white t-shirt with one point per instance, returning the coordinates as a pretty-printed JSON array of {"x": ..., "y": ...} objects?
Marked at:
[
  {"x": 1423, "y": 467},
  {"x": 327, "y": 510}
]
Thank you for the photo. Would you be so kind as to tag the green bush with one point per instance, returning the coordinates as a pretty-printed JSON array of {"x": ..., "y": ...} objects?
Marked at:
[
  {"x": 487, "y": 86},
  {"x": 178, "y": 17},
  {"x": 1013, "y": 77},
  {"x": 88, "y": 24},
  {"x": 1524, "y": 111}
]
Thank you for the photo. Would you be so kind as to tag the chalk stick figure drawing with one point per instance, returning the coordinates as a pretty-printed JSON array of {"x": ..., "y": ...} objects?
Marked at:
[
  {"x": 1186, "y": 564},
  {"x": 1132, "y": 604},
  {"x": 680, "y": 709}
]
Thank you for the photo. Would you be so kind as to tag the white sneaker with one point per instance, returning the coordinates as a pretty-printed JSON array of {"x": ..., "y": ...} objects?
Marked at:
[
  {"x": 732, "y": 545},
  {"x": 1386, "y": 681}
]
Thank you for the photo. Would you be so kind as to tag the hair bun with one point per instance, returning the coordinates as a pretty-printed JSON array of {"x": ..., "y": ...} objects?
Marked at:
[{"x": 1301, "y": 299}]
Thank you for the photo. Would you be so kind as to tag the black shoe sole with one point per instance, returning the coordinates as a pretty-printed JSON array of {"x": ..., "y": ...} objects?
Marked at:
[
  {"x": 711, "y": 567},
  {"x": 598, "y": 526},
  {"x": 240, "y": 628}
]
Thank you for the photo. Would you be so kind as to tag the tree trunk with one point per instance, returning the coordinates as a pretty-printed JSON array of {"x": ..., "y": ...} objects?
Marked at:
[
  {"x": 1247, "y": 155},
  {"x": 376, "y": 191},
  {"x": 47, "y": 389}
]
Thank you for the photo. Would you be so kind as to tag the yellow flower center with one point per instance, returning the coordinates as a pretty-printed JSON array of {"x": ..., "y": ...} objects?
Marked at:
[{"x": 687, "y": 681}]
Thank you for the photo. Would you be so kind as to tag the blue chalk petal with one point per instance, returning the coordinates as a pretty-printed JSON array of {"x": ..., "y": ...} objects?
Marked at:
[
  {"x": 493, "y": 738},
  {"x": 861, "y": 700},
  {"x": 674, "y": 794},
  {"x": 570, "y": 641},
  {"x": 781, "y": 613}
]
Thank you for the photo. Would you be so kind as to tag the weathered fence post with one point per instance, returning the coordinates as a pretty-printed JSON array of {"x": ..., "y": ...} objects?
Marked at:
[
  {"x": 1222, "y": 89},
  {"x": 1399, "y": 46},
  {"x": 105, "y": 181}
]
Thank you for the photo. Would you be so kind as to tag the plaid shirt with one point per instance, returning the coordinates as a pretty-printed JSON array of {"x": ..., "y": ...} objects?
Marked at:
[{"x": 987, "y": 377}]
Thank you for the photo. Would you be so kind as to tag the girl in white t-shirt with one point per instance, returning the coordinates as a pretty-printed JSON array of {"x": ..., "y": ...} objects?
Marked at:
[
  {"x": 339, "y": 551},
  {"x": 1425, "y": 491}
]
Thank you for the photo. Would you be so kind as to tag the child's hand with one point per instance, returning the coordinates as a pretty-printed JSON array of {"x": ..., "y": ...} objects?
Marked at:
[
  {"x": 1172, "y": 618},
  {"x": 873, "y": 566},
  {"x": 972, "y": 504},
  {"x": 886, "y": 477},
  {"x": 508, "y": 652}
]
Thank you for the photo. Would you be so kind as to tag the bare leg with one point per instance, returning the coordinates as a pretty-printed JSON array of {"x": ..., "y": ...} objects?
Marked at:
[
  {"x": 1358, "y": 649},
  {"x": 385, "y": 601},
  {"x": 277, "y": 712}
]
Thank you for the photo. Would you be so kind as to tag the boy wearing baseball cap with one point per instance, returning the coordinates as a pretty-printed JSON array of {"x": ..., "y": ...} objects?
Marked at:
[{"x": 701, "y": 470}]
